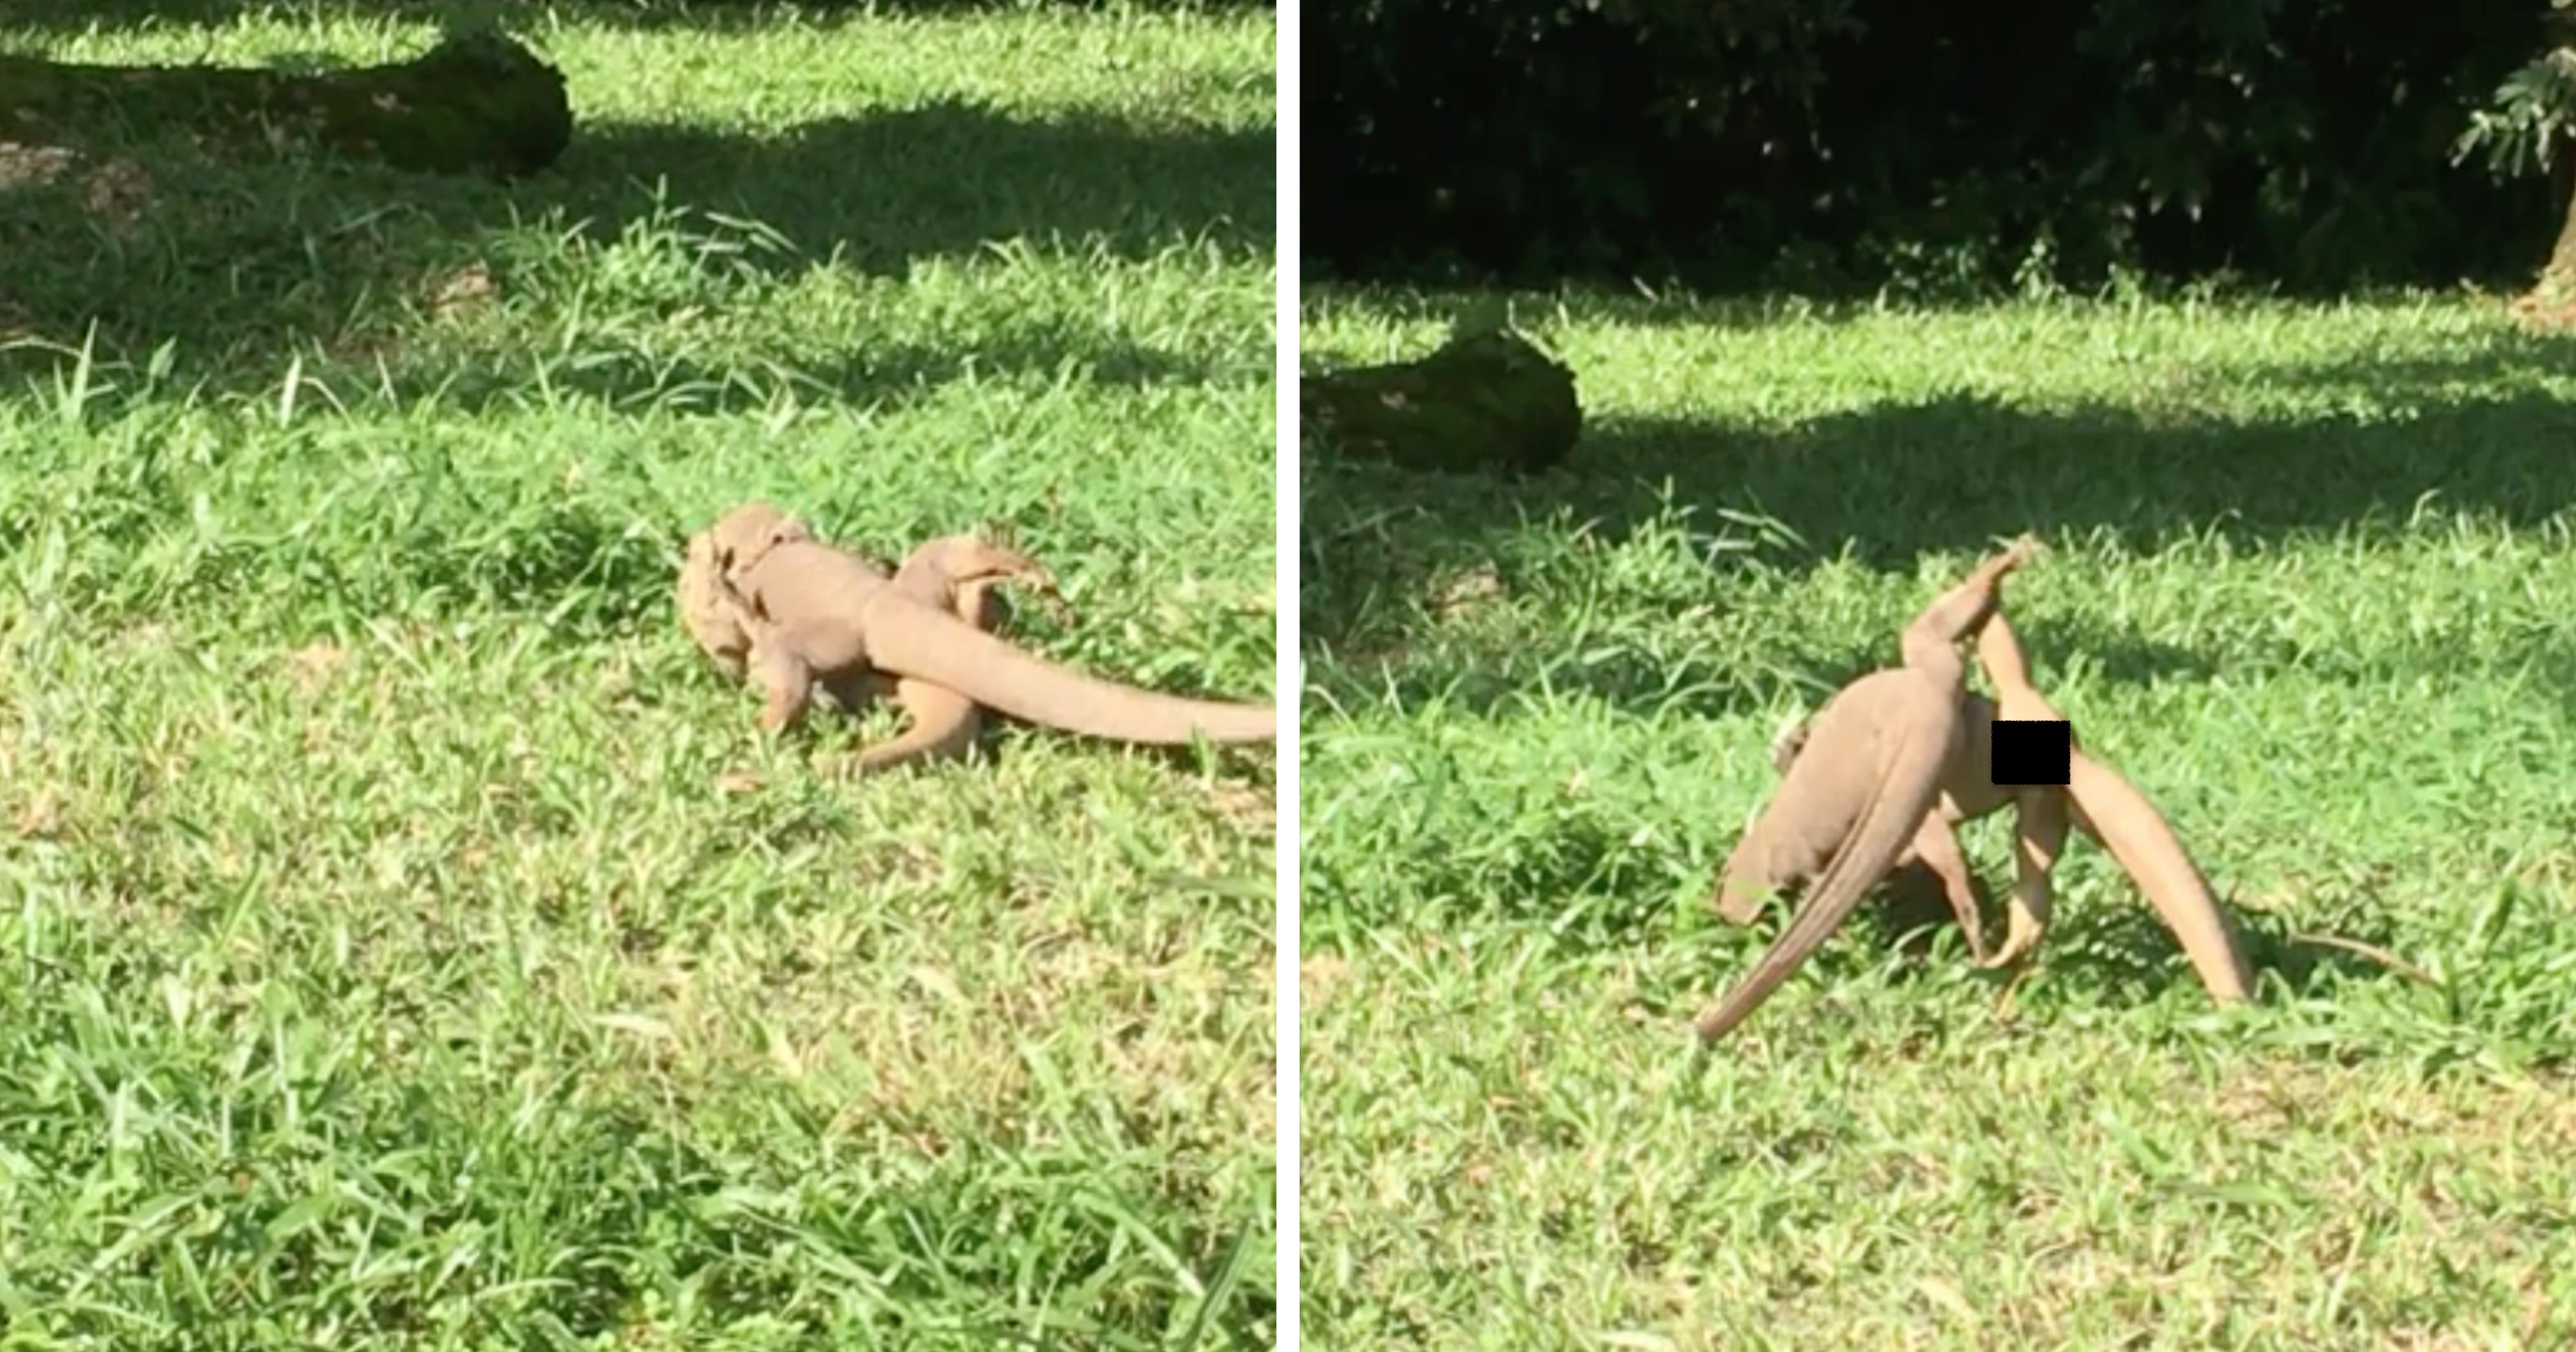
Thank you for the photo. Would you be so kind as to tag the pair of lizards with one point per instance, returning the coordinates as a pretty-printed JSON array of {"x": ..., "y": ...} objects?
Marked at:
[
  {"x": 1879, "y": 781},
  {"x": 764, "y": 598},
  {"x": 1882, "y": 777}
]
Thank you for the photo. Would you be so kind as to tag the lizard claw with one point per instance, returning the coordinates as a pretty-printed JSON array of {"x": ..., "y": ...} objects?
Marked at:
[
  {"x": 1018, "y": 569},
  {"x": 2022, "y": 931}
]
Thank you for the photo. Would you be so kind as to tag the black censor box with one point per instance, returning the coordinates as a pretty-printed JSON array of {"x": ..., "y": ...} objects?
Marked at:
[{"x": 2030, "y": 751}]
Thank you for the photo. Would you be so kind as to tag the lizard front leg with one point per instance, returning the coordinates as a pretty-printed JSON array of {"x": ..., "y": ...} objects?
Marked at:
[
  {"x": 1936, "y": 847},
  {"x": 788, "y": 684},
  {"x": 1748, "y": 882}
]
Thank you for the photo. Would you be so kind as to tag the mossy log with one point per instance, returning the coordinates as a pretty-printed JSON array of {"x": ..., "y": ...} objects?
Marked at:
[
  {"x": 1482, "y": 401},
  {"x": 477, "y": 101}
]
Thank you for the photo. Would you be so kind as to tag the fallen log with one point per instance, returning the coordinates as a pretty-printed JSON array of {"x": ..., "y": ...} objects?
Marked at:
[{"x": 1482, "y": 401}]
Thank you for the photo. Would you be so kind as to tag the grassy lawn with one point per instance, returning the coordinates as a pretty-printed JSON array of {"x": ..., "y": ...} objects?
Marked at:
[
  {"x": 406, "y": 939},
  {"x": 2312, "y": 589}
]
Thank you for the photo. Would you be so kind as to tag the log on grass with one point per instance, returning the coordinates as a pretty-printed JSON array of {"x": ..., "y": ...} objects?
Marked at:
[
  {"x": 476, "y": 101},
  {"x": 1481, "y": 402}
]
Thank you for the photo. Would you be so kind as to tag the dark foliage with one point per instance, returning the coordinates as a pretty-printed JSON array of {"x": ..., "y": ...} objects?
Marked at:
[{"x": 1928, "y": 143}]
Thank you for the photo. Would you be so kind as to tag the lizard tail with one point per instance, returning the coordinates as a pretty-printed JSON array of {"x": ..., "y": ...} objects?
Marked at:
[
  {"x": 1907, "y": 785},
  {"x": 2114, "y": 813},
  {"x": 910, "y": 639}
]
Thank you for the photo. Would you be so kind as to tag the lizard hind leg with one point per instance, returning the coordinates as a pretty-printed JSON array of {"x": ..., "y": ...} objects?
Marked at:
[
  {"x": 962, "y": 574},
  {"x": 2039, "y": 811},
  {"x": 2039, "y": 834},
  {"x": 944, "y": 723}
]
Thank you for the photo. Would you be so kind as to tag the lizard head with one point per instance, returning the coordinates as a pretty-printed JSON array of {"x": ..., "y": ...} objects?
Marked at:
[{"x": 708, "y": 608}]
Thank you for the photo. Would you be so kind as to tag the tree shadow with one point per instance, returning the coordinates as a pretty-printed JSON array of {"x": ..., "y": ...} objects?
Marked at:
[
  {"x": 247, "y": 262},
  {"x": 2503, "y": 356},
  {"x": 1954, "y": 473},
  {"x": 947, "y": 178},
  {"x": 882, "y": 376},
  {"x": 1893, "y": 482}
]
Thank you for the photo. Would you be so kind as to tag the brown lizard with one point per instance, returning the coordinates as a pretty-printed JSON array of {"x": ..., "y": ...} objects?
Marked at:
[
  {"x": 2101, "y": 803},
  {"x": 959, "y": 574},
  {"x": 814, "y": 614},
  {"x": 1848, "y": 808}
]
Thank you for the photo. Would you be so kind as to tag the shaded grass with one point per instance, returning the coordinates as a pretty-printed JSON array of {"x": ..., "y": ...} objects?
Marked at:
[
  {"x": 2309, "y": 588},
  {"x": 411, "y": 944},
  {"x": 826, "y": 163}
]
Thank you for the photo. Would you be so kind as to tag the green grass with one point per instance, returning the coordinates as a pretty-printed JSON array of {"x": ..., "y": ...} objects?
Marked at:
[
  {"x": 2311, "y": 588},
  {"x": 406, "y": 940}
]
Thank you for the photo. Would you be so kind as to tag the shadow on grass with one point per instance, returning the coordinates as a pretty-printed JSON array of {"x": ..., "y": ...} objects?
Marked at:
[
  {"x": 2118, "y": 947},
  {"x": 1900, "y": 480},
  {"x": 76, "y": 16},
  {"x": 1956, "y": 473},
  {"x": 948, "y": 178},
  {"x": 883, "y": 374},
  {"x": 246, "y": 263},
  {"x": 1642, "y": 683}
]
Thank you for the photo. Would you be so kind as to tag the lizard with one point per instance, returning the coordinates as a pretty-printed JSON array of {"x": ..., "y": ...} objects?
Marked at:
[
  {"x": 959, "y": 574},
  {"x": 2099, "y": 801},
  {"x": 1848, "y": 808},
  {"x": 816, "y": 614}
]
